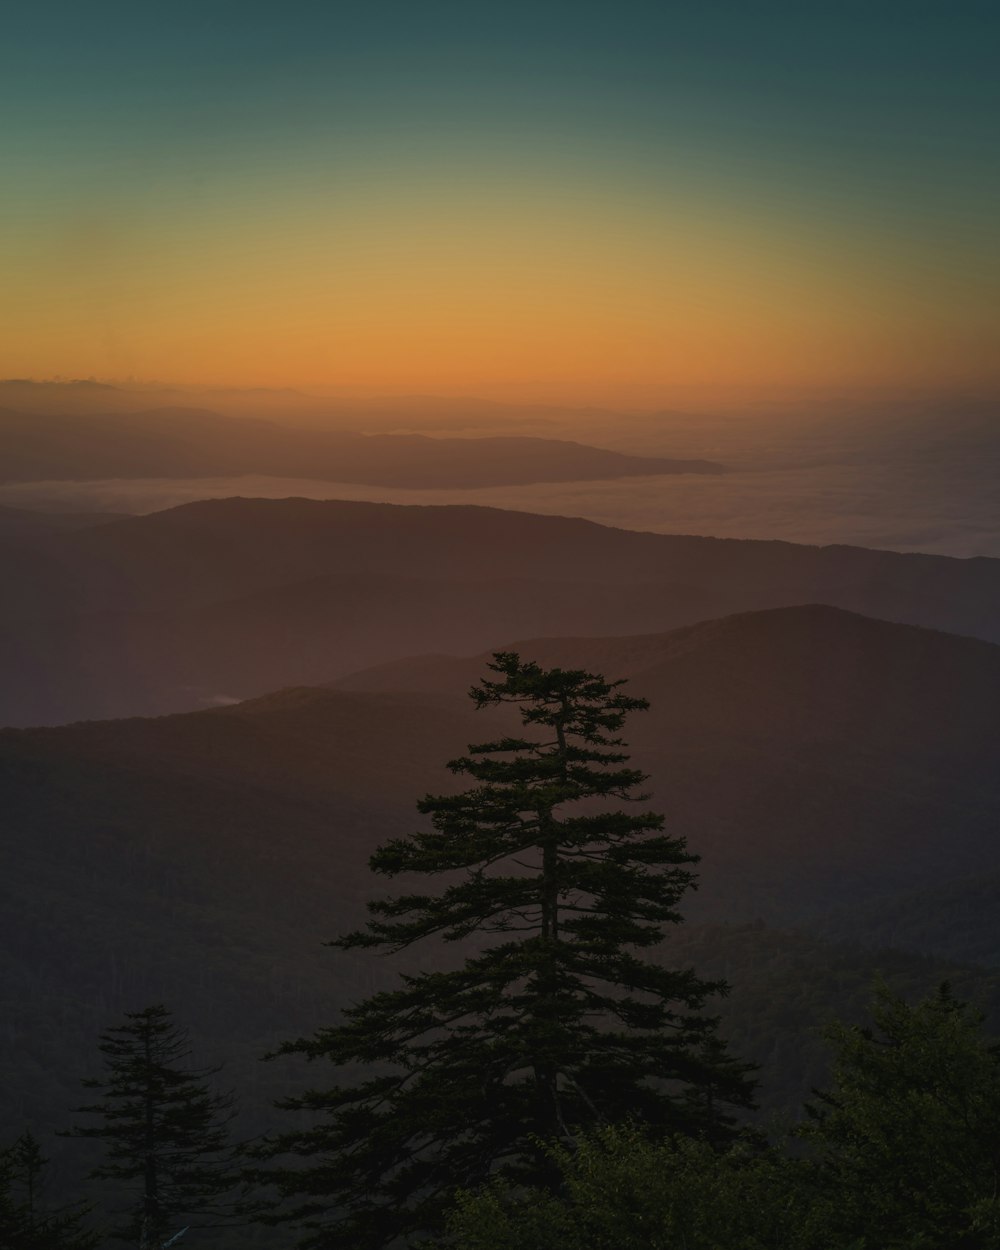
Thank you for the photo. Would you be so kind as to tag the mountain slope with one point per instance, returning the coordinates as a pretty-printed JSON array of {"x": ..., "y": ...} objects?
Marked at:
[
  {"x": 953, "y": 919},
  {"x": 113, "y": 664},
  {"x": 809, "y": 672}
]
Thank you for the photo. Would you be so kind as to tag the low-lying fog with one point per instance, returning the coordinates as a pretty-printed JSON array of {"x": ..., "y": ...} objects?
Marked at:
[
  {"x": 909, "y": 477},
  {"x": 908, "y": 508}
]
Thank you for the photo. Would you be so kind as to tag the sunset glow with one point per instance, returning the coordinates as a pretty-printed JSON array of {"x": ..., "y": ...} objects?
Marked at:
[{"x": 581, "y": 200}]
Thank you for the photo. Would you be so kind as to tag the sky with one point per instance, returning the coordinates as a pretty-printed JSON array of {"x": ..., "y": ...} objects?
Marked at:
[{"x": 568, "y": 199}]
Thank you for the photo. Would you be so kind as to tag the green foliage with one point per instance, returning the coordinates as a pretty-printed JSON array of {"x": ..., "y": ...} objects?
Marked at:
[
  {"x": 622, "y": 1191},
  {"x": 905, "y": 1155},
  {"x": 164, "y": 1131},
  {"x": 26, "y": 1223},
  {"x": 557, "y": 1024},
  {"x": 908, "y": 1139}
]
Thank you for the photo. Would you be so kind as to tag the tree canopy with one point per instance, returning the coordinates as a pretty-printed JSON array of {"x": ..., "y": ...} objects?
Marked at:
[
  {"x": 902, "y": 1153},
  {"x": 908, "y": 1137},
  {"x": 623, "y": 1191}
]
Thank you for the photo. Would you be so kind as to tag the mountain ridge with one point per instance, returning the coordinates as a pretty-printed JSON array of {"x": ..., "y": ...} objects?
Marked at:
[
  {"x": 196, "y": 442},
  {"x": 821, "y": 694},
  {"x": 234, "y": 597}
]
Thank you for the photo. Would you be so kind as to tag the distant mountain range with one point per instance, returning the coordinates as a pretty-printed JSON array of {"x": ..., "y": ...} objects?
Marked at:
[
  {"x": 228, "y": 599},
  {"x": 334, "y": 409},
  {"x": 837, "y": 774},
  {"x": 186, "y": 443}
]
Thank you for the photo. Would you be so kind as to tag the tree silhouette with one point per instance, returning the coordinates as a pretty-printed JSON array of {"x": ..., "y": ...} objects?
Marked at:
[
  {"x": 26, "y": 1222},
  {"x": 165, "y": 1132},
  {"x": 555, "y": 1022}
]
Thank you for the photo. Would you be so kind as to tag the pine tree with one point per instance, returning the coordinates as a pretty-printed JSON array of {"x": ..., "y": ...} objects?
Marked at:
[
  {"x": 165, "y": 1132},
  {"x": 557, "y": 1023},
  {"x": 26, "y": 1222}
]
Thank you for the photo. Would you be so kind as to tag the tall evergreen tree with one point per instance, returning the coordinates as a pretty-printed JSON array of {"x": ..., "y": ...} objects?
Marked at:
[
  {"x": 165, "y": 1132},
  {"x": 559, "y": 1021}
]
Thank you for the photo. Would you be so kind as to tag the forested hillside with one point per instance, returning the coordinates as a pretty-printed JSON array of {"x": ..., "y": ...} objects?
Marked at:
[{"x": 206, "y": 856}]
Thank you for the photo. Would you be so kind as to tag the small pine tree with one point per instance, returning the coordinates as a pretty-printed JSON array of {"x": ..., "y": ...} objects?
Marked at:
[
  {"x": 558, "y": 1024},
  {"x": 165, "y": 1133},
  {"x": 26, "y": 1223}
]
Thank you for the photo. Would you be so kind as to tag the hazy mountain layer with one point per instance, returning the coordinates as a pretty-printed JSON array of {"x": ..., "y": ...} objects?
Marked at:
[
  {"x": 230, "y": 598},
  {"x": 183, "y": 442}
]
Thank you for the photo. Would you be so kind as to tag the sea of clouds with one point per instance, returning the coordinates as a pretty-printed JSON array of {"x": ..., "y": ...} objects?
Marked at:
[{"x": 933, "y": 508}]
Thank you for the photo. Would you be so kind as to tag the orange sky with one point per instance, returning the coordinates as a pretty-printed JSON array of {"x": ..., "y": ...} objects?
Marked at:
[
  {"x": 443, "y": 205},
  {"x": 467, "y": 295}
]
